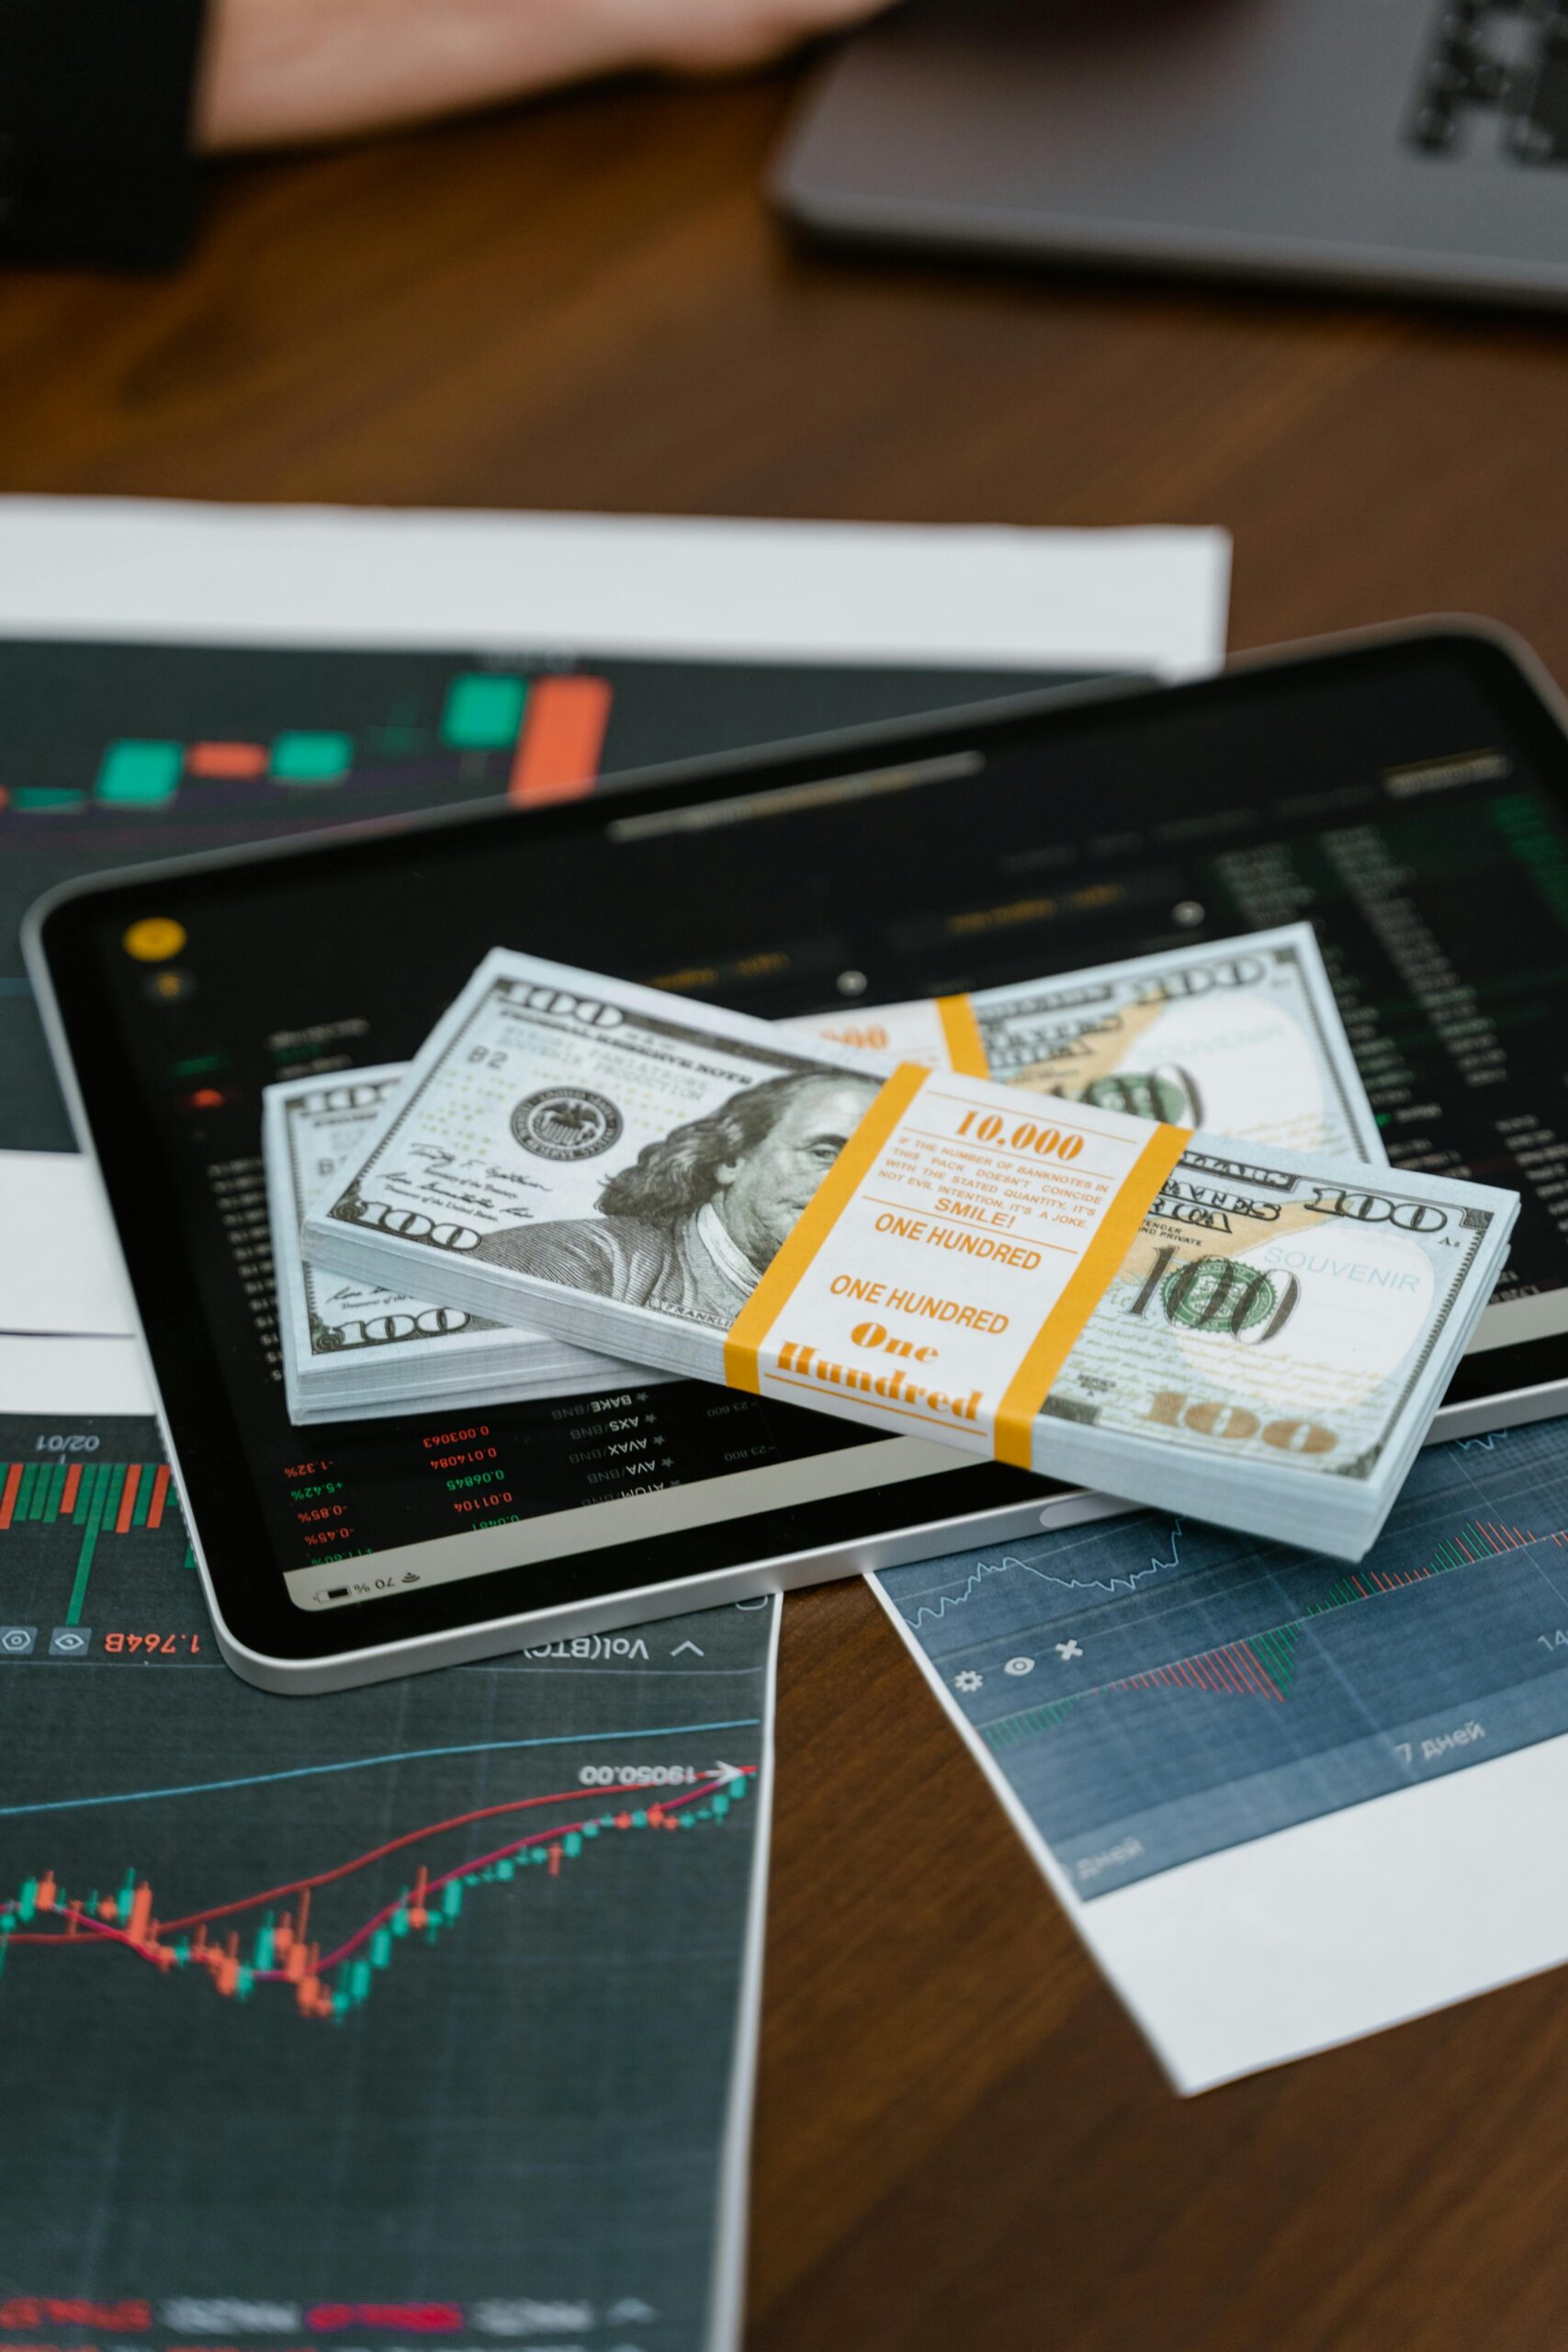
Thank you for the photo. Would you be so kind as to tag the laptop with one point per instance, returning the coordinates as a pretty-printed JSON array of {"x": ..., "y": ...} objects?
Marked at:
[{"x": 1410, "y": 145}]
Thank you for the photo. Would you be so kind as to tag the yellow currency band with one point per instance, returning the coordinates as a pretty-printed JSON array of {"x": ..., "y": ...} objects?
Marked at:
[
  {"x": 961, "y": 1033},
  {"x": 811, "y": 1229},
  {"x": 1027, "y": 1390},
  {"x": 1052, "y": 1344}
]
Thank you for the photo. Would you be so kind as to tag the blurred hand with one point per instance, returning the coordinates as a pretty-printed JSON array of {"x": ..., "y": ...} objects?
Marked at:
[{"x": 283, "y": 70}]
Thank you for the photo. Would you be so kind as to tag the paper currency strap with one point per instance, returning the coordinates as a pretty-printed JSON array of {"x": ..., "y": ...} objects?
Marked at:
[
  {"x": 961, "y": 1032},
  {"x": 950, "y": 1258}
]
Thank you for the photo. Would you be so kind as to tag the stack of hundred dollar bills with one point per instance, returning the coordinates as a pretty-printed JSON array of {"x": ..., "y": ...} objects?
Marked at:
[
  {"x": 1182, "y": 1274},
  {"x": 354, "y": 1350}
]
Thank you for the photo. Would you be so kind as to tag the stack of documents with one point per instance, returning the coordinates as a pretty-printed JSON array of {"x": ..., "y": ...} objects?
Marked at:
[{"x": 1259, "y": 1336}]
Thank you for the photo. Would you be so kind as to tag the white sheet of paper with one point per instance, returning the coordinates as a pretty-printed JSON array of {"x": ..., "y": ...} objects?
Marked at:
[
  {"x": 63, "y": 1269},
  {"x": 1343, "y": 1925},
  {"x": 1152, "y": 601},
  {"x": 56, "y": 1376}
]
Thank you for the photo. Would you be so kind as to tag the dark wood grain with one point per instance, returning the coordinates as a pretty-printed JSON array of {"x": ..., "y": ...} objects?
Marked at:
[{"x": 961, "y": 2140}]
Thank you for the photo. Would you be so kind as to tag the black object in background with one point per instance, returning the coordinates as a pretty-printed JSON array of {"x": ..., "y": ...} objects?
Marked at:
[{"x": 94, "y": 117}]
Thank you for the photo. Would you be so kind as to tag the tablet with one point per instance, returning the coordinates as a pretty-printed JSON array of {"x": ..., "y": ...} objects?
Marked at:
[{"x": 1407, "y": 793}]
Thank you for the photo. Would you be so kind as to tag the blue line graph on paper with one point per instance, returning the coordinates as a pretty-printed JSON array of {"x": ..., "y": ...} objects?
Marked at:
[
  {"x": 360, "y": 1764},
  {"x": 932, "y": 1612},
  {"x": 1155, "y": 1689}
]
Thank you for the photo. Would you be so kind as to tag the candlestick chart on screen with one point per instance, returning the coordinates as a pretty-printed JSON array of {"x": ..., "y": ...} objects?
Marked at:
[
  {"x": 415, "y": 1997},
  {"x": 1154, "y": 1691},
  {"x": 111, "y": 754}
]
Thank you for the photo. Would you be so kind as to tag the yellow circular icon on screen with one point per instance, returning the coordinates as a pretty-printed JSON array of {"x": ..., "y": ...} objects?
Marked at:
[{"x": 154, "y": 939}]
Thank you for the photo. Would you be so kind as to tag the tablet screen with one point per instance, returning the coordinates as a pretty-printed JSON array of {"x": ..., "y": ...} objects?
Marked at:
[{"x": 1408, "y": 800}]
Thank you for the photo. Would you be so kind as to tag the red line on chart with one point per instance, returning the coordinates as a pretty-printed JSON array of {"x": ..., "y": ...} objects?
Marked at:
[
  {"x": 282, "y": 1953},
  {"x": 393, "y": 1845}
]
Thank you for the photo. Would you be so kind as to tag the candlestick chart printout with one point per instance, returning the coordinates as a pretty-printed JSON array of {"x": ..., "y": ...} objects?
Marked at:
[
  {"x": 1152, "y": 1690},
  {"x": 424, "y": 2007},
  {"x": 111, "y": 754},
  {"x": 1252, "y": 1775}
]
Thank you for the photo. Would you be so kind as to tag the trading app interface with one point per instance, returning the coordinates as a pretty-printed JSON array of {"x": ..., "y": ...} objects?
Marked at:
[{"x": 1397, "y": 810}]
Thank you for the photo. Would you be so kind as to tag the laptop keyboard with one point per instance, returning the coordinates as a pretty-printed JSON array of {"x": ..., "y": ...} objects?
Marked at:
[{"x": 1494, "y": 79}]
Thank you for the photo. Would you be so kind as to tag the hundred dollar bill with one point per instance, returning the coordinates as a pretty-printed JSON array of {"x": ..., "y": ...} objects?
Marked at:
[
  {"x": 1258, "y": 1337},
  {"x": 1274, "y": 1308},
  {"x": 1241, "y": 1036},
  {"x": 354, "y": 1352}
]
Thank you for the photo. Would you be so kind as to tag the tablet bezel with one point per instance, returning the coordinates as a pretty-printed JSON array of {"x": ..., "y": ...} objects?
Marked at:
[{"x": 270, "y": 1640}]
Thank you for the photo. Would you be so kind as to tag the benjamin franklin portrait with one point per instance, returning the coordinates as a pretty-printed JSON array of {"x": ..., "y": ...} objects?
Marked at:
[{"x": 699, "y": 1215}]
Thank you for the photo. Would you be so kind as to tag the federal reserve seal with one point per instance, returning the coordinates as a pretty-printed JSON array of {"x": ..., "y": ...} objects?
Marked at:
[{"x": 565, "y": 1122}]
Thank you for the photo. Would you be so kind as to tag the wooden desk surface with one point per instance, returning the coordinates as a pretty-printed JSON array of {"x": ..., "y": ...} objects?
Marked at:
[{"x": 960, "y": 2137}]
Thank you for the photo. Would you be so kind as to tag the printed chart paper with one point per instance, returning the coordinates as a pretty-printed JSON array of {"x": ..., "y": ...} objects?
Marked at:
[
  {"x": 1284, "y": 1804},
  {"x": 438, "y": 1993}
]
